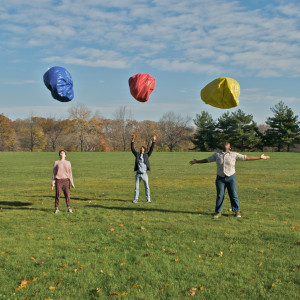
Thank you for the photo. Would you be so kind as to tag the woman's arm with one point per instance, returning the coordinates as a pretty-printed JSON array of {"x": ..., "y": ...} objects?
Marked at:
[{"x": 257, "y": 157}]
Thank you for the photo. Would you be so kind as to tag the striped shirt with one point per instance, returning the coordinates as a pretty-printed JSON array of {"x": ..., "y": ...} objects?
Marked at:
[{"x": 226, "y": 162}]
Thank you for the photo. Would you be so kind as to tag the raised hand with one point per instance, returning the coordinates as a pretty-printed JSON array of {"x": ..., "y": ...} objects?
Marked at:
[
  {"x": 133, "y": 137},
  {"x": 154, "y": 138}
]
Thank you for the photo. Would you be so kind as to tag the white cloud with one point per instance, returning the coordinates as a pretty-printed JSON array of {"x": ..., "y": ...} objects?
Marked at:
[
  {"x": 91, "y": 57},
  {"x": 188, "y": 35}
]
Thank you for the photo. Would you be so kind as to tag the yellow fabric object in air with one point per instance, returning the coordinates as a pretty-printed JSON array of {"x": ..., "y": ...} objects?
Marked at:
[{"x": 223, "y": 92}]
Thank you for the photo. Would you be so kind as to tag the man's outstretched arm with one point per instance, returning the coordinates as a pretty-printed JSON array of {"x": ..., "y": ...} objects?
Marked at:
[
  {"x": 201, "y": 161},
  {"x": 257, "y": 157}
]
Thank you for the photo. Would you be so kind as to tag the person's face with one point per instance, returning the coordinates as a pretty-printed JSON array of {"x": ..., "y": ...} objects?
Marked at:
[
  {"x": 226, "y": 147},
  {"x": 142, "y": 150},
  {"x": 62, "y": 155}
]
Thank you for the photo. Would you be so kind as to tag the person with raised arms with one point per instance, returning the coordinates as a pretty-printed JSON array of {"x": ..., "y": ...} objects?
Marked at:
[
  {"x": 226, "y": 178},
  {"x": 141, "y": 166}
]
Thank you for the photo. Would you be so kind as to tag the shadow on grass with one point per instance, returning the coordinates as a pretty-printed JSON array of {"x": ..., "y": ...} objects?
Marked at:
[
  {"x": 152, "y": 209},
  {"x": 15, "y": 203}
]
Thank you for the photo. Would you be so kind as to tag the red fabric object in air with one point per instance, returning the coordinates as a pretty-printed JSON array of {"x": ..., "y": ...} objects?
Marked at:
[{"x": 141, "y": 86}]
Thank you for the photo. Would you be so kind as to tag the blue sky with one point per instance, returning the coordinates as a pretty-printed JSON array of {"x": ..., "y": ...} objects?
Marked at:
[{"x": 184, "y": 44}]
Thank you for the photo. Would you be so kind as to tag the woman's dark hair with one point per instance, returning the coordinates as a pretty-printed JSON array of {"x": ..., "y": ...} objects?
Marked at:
[{"x": 60, "y": 151}]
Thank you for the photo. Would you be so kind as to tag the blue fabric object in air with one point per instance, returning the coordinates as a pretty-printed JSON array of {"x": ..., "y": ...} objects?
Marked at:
[{"x": 59, "y": 81}]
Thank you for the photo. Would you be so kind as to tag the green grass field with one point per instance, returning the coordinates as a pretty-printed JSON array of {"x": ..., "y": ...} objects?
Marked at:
[{"x": 111, "y": 248}]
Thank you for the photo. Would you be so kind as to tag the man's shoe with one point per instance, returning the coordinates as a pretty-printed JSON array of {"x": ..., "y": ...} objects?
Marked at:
[
  {"x": 56, "y": 211},
  {"x": 238, "y": 214},
  {"x": 217, "y": 215},
  {"x": 70, "y": 210},
  {"x": 149, "y": 201},
  {"x": 135, "y": 201}
]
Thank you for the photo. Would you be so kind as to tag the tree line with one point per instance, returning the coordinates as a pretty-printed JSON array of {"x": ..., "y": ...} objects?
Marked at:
[{"x": 85, "y": 131}]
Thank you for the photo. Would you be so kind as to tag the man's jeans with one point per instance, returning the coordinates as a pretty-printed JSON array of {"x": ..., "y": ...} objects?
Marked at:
[
  {"x": 230, "y": 183},
  {"x": 138, "y": 178}
]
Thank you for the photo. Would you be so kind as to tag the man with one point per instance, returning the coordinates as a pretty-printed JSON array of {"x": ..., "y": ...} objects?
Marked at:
[
  {"x": 141, "y": 166},
  {"x": 226, "y": 178},
  {"x": 62, "y": 177}
]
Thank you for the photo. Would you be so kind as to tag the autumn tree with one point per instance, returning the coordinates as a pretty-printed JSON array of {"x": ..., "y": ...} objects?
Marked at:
[
  {"x": 7, "y": 134},
  {"x": 54, "y": 131},
  {"x": 146, "y": 130},
  {"x": 81, "y": 126},
  {"x": 173, "y": 130},
  {"x": 31, "y": 136},
  {"x": 124, "y": 126}
]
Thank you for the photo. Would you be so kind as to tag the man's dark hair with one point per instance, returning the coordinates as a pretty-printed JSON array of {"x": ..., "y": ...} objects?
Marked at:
[
  {"x": 60, "y": 151},
  {"x": 144, "y": 148}
]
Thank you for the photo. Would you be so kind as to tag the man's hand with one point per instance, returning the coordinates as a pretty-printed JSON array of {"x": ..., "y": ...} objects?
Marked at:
[
  {"x": 52, "y": 187},
  {"x": 73, "y": 186},
  {"x": 133, "y": 137},
  {"x": 194, "y": 161},
  {"x": 264, "y": 157},
  {"x": 154, "y": 138}
]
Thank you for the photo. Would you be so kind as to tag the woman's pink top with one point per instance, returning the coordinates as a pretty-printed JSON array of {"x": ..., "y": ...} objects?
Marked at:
[{"x": 62, "y": 170}]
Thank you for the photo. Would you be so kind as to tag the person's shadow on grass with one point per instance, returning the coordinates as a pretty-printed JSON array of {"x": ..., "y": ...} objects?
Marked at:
[{"x": 135, "y": 208}]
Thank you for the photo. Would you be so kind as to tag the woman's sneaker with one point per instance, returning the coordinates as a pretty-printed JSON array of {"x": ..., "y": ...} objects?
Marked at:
[
  {"x": 70, "y": 210},
  {"x": 217, "y": 215},
  {"x": 238, "y": 214},
  {"x": 56, "y": 211}
]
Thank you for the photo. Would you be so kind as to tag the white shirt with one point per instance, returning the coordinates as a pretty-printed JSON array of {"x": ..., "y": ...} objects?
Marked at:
[{"x": 226, "y": 162}]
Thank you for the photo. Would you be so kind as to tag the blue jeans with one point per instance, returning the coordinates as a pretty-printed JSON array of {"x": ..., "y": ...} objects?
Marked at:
[
  {"x": 138, "y": 178},
  {"x": 230, "y": 183}
]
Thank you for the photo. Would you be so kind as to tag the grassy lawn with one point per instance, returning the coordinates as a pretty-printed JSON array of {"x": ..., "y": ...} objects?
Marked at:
[{"x": 111, "y": 248}]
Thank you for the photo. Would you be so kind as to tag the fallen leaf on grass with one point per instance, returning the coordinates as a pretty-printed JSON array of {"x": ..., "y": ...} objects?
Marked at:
[
  {"x": 54, "y": 287},
  {"x": 98, "y": 290},
  {"x": 201, "y": 288},
  {"x": 120, "y": 294},
  {"x": 62, "y": 267},
  {"x": 25, "y": 282},
  {"x": 220, "y": 254},
  {"x": 123, "y": 263},
  {"x": 260, "y": 264},
  {"x": 295, "y": 227},
  {"x": 261, "y": 251},
  {"x": 143, "y": 227},
  {"x": 177, "y": 259},
  {"x": 76, "y": 270},
  {"x": 8, "y": 252},
  {"x": 111, "y": 229},
  {"x": 192, "y": 292}
]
